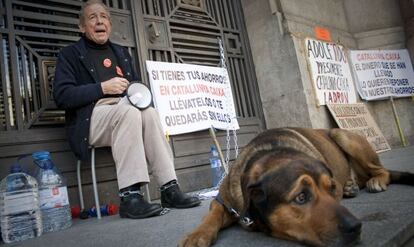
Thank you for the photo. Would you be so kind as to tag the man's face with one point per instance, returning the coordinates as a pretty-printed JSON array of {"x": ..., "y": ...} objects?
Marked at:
[{"x": 97, "y": 24}]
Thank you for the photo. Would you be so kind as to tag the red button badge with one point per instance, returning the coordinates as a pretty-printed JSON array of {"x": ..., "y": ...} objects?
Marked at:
[{"x": 107, "y": 62}]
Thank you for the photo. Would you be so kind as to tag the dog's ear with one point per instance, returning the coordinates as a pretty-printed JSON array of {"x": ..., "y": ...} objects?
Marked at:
[
  {"x": 253, "y": 192},
  {"x": 255, "y": 204},
  {"x": 251, "y": 183},
  {"x": 256, "y": 193}
]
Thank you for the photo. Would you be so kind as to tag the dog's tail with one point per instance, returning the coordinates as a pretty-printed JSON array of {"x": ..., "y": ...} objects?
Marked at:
[{"x": 402, "y": 177}]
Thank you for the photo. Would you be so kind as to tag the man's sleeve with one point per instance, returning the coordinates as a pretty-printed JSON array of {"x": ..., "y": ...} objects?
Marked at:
[{"x": 68, "y": 92}]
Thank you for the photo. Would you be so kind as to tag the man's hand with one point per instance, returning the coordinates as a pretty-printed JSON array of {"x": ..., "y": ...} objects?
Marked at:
[{"x": 116, "y": 85}]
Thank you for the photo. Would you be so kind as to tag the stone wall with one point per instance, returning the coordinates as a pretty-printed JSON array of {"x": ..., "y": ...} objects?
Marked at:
[{"x": 277, "y": 29}]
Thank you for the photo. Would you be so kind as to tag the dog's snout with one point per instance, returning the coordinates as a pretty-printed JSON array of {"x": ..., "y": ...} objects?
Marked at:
[{"x": 349, "y": 226}]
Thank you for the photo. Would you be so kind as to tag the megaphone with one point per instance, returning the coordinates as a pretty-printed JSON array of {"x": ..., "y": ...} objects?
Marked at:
[{"x": 139, "y": 95}]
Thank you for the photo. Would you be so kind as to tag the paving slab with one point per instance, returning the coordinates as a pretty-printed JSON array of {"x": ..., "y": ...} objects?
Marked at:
[{"x": 388, "y": 220}]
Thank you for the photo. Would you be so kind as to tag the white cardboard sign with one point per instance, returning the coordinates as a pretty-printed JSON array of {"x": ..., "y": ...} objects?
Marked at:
[
  {"x": 357, "y": 118},
  {"x": 191, "y": 97},
  {"x": 383, "y": 73},
  {"x": 330, "y": 72}
]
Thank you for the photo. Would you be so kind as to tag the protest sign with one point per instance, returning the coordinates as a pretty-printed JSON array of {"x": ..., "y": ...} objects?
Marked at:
[
  {"x": 383, "y": 73},
  {"x": 356, "y": 118},
  {"x": 191, "y": 97},
  {"x": 330, "y": 72}
]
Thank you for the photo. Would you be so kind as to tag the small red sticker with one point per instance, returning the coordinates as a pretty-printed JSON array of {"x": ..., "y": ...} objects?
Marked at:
[
  {"x": 107, "y": 62},
  {"x": 55, "y": 191},
  {"x": 119, "y": 71}
]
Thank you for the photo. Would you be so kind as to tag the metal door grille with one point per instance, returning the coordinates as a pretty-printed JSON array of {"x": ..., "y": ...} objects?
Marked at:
[
  {"x": 32, "y": 34},
  {"x": 186, "y": 31}
]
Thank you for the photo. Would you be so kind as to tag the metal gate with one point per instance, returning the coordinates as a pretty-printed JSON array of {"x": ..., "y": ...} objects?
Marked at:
[{"x": 32, "y": 32}]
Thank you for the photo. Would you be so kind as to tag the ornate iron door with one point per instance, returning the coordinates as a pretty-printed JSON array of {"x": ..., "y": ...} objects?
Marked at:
[{"x": 186, "y": 31}]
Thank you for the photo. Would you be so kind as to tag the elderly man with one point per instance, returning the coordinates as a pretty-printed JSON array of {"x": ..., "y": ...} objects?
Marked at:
[{"x": 91, "y": 76}]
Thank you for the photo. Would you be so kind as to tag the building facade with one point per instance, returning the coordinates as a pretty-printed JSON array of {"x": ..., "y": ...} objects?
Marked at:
[{"x": 277, "y": 30}]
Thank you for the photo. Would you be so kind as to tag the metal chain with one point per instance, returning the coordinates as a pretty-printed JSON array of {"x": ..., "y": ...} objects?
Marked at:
[
  {"x": 224, "y": 66},
  {"x": 236, "y": 145}
]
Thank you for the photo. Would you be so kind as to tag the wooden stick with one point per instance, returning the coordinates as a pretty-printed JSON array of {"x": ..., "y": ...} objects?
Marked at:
[
  {"x": 213, "y": 136},
  {"x": 397, "y": 121}
]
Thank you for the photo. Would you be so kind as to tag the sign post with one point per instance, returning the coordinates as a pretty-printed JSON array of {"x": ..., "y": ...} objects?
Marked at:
[
  {"x": 191, "y": 98},
  {"x": 397, "y": 122},
  {"x": 214, "y": 137}
]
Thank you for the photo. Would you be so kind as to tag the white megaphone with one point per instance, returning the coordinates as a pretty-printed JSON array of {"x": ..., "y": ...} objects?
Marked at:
[{"x": 139, "y": 95}]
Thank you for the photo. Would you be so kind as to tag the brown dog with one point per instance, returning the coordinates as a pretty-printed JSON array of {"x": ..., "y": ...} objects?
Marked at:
[{"x": 287, "y": 183}]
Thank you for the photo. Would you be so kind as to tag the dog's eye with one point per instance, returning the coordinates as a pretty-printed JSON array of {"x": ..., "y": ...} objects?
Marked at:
[
  {"x": 333, "y": 187},
  {"x": 302, "y": 198}
]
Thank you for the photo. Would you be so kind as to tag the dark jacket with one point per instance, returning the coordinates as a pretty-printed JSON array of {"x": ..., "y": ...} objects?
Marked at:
[{"x": 76, "y": 90}]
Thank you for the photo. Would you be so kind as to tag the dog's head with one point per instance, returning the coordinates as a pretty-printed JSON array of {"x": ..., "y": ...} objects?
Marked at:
[{"x": 296, "y": 198}]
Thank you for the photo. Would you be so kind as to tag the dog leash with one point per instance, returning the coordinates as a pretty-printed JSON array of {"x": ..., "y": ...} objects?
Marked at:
[{"x": 245, "y": 220}]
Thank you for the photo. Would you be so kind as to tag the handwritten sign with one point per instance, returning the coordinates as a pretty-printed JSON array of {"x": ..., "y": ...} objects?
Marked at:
[
  {"x": 356, "y": 118},
  {"x": 191, "y": 97},
  {"x": 382, "y": 74},
  {"x": 330, "y": 71}
]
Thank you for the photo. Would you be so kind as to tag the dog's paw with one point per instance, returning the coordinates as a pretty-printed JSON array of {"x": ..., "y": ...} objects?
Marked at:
[
  {"x": 197, "y": 239},
  {"x": 351, "y": 189},
  {"x": 376, "y": 184}
]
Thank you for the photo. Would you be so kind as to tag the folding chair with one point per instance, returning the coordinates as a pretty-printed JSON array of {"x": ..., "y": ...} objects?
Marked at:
[{"x": 95, "y": 187}]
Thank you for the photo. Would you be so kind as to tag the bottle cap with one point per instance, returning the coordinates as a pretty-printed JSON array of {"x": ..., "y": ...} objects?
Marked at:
[
  {"x": 112, "y": 209},
  {"x": 42, "y": 159},
  {"x": 41, "y": 155},
  {"x": 75, "y": 211},
  {"x": 92, "y": 212}
]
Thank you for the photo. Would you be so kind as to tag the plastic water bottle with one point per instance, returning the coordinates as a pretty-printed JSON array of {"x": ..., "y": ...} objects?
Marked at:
[
  {"x": 19, "y": 206},
  {"x": 216, "y": 167},
  {"x": 53, "y": 194}
]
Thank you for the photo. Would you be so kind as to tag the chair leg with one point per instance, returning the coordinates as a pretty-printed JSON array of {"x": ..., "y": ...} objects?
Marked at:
[
  {"x": 147, "y": 193},
  {"x": 78, "y": 173},
  {"x": 95, "y": 187}
]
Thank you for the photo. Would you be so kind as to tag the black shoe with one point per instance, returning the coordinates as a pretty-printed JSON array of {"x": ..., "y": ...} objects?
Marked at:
[
  {"x": 134, "y": 206},
  {"x": 172, "y": 197}
]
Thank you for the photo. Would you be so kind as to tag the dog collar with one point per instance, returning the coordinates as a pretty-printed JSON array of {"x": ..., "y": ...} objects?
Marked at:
[{"x": 243, "y": 219}]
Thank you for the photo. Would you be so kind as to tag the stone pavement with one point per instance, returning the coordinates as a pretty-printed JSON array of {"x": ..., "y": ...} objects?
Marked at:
[{"x": 388, "y": 220}]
